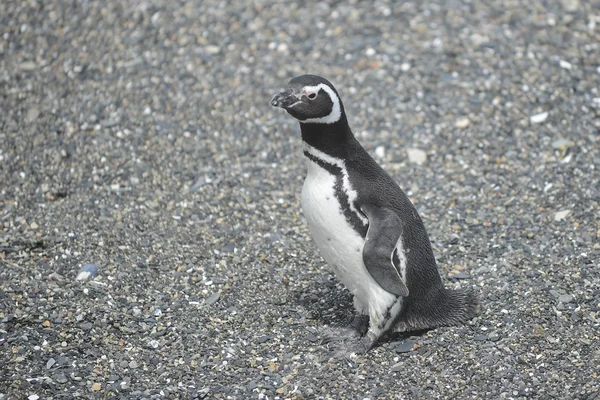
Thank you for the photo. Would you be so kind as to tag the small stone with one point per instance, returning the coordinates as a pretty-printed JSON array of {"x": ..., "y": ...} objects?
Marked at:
[
  {"x": 555, "y": 293},
  {"x": 264, "y": 338},
  {"x": 212, "y": 299},
  {"x": 404, "y": 347},
  {"x": 61, "y": 378},
  {"x": 311, "y": 338},
  {"x": 133, "y": 364},
  {"x": 380, "y": 151},
  {"x": 28, "y": 66},
  {"x": 398, "y": 367},
  {"x": 460, "y": 275},
  {"x": 494, "y": 337},
  {"x": 32, "y": 115},
  {"x": 282, "y": 47},
  {"x": 560, "y": 215},
  {"x": 88, "y": 271},
  {"x": 480, "y": 338},
  {"x": 565, "y": 298},
  {"x": 229, "y": 248},
  {"x": 198, "y": 184},
  {"x": 565, "y": 64},
  {"x": 462, "y": 123},
  {"x": 33, "y": 397},
  {"x": 562, "y": 144},
  {"x": 109, "y": 123},
  {"x": 154, "y": 344},
  {"x": 416, "y": 156},
  {"x": 212, "y": 49},
  {"x": 96, "y": 386},
  {"x": 404, "y": 67},
  {"x": 370, "y": 52},
  {"x": 50, "y": 363},
  {"x": 538, "y": 118}
]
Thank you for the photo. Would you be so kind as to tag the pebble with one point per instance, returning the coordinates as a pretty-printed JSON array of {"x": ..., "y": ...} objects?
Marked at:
[
  {"x": 494, "y": 336},
  {"x": 380, "y": 151},
  {"x": 51, "y": 361},
  {"x": 460, "y": 275},
  {"x": 33, "y": 397},
  {"x": 212, "y": 299},
  {"x": 312, "y": 338},
  {"x": 228, "y": 249},
  {"x": 28, "y": 66},
  {"x": 562, "y": 143},
  {"x": 88, "y": 271},
  {"x": 416, "y": 156},
  {"x": 561, "y": 215},
  {"x": 405, "y": 346},
  {"x": 32, "y": 115},
  {"x": 565, "y": 298},
  {"x": 61, "y": 378},
  {"x": 462, "y": 123},
  {"x": 200, "y": 182},
  {"x": 538, "y": 118},
  {"x": 565, "y": 64}
]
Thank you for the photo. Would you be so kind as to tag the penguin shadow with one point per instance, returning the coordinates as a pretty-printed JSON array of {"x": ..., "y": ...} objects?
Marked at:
[{"x": 327, "y": 303}]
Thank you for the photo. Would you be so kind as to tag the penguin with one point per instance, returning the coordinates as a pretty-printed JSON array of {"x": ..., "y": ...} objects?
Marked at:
[{"x": 366, "y": 228}]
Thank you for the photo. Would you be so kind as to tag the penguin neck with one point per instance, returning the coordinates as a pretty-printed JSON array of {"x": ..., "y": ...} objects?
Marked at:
[{"x": 334, "y": 139}]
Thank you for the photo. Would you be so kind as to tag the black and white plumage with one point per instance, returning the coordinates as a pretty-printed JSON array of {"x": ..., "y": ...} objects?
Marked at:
[{"x": 365, "y": 227}]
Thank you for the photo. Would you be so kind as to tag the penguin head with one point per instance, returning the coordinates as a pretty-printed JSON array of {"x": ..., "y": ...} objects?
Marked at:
[{"x": 311, "y": 100}]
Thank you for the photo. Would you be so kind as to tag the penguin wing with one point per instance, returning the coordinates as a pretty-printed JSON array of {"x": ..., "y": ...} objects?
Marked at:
[{"x": 385, "y": 228}]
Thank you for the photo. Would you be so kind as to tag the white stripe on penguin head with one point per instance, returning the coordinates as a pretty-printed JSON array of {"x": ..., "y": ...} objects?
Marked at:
[{"x": 336, "y": 109}]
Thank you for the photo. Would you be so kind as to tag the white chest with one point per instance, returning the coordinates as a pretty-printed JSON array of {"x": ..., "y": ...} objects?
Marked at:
[{"x": 339, "y": 244}]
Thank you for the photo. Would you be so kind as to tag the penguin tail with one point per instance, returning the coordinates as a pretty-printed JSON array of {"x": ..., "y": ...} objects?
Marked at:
[{"x": 445, "y": 307}]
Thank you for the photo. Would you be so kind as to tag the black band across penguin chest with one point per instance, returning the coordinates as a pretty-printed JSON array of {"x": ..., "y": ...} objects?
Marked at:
[{"x": 348, "y": 206}]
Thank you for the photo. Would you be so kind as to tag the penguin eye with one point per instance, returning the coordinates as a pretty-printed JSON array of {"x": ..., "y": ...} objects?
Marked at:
[{"x": 311, "y": 95}]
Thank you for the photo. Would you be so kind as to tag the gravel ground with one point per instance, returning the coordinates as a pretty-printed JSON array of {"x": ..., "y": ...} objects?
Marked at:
[{"x": 137, "y": 136}]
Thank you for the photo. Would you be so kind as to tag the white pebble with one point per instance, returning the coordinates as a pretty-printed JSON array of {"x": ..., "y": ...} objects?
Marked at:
[
  {"x": 565, "y": 64},
  {"x": 538, "y": 118},
  {"x": 404, "y": 67},
  {"x": 416, "y": 156},
  {"x": 560, "y": 215},
  {"x": 370, "y": 52},
  {"x": 380, "y": 151},
  {"x": 282, "y": 47},
  {"x": 462, "y": 123}
]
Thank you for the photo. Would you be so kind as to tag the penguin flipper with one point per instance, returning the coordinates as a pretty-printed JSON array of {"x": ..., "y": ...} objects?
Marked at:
[{"x": 385, "y": 228}]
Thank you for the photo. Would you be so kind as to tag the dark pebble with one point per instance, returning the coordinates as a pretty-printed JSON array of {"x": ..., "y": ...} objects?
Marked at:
[
  {"x": 460, "y": 275},
  {"x": 212, "y": 299},
  {"x": 311, "y": 338},
  {"x": 229, "y": 248},
  {"x": 565, "y": 298},
  {"x": 264, "y": 338},
  {"x": 404, "y": 347},
  {"x": 88, "y": 271}
]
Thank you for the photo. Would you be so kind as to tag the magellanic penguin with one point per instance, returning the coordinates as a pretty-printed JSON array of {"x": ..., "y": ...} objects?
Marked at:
[{"x": 366, "y": 228}]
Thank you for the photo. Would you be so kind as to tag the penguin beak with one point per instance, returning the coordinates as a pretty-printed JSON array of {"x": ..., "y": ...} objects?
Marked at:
[{"x": 285, "y": 99}]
